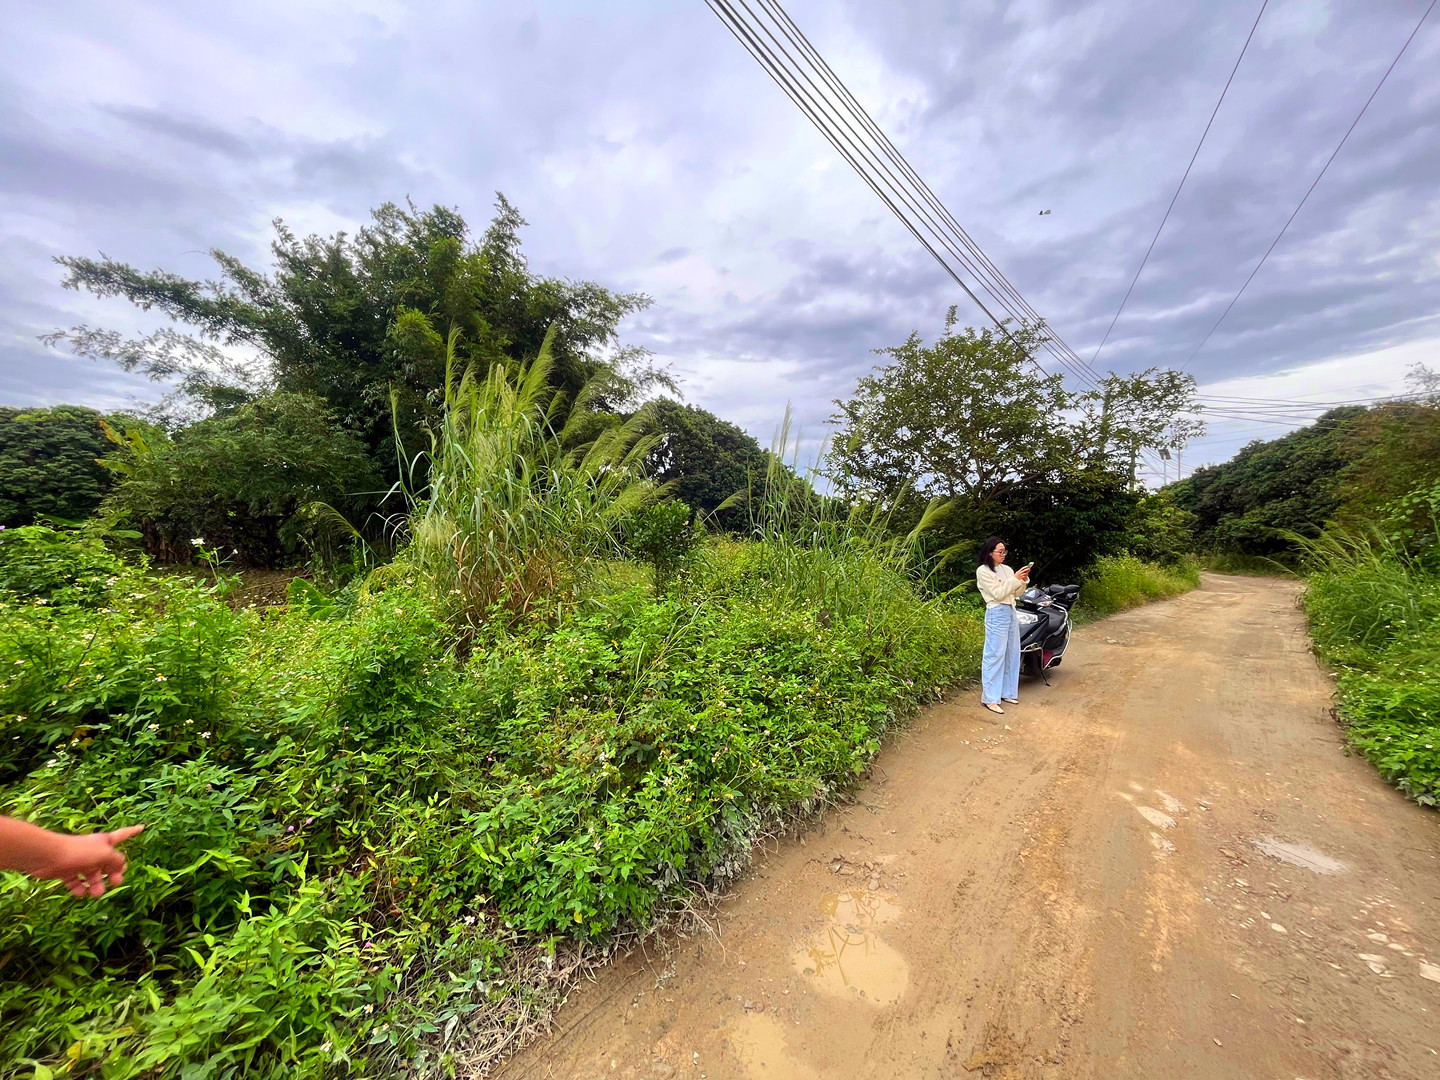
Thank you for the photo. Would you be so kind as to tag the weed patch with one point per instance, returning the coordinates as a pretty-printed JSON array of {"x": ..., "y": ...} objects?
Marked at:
[
  {"x": 1374, "y": 615},
  {"x": 370, "y": 851},
  {"x": 1115, "y": 583}
]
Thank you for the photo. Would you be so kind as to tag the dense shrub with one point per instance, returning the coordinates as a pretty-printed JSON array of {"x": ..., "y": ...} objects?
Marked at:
[
  {"x": 352, "y": 827},
  {"x": 664, "y": 536},
  {"x": 1270, "y": 490},
  {"x": 1375, "y": 616},
  {"x": 48, "y": 565},
  {"x": 48, "y": 464},
  {"x": 1117, "y": 582},
  {"x": 236, "y": 481}
]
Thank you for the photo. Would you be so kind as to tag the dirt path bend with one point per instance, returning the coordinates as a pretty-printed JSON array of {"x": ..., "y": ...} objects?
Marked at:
[{"x": 1164, "y": 865}]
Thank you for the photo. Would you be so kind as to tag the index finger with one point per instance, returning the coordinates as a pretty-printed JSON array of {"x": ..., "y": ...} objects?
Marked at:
[{"x": 119, "y": 836}]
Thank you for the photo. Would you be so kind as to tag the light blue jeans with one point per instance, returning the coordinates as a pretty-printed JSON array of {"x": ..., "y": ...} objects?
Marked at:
[{"x": 1000, "y": 668}]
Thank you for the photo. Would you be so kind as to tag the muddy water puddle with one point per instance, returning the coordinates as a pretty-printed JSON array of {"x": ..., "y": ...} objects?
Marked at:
[
  {"x": 759, "y": 1041},
  {"x": 847, "y": 956},
  {"x": 1301, "y": 855}
]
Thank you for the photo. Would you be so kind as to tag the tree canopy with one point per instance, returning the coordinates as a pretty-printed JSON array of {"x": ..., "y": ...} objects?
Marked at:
[
  {"x": 707, "y": 458},
  {"x": 973, "y": 420},
  {"x": 361, "y": 321},
  {"x": 967, "y": 416},
  {"x": 1355, "y": 466},
  {"x": 48, "y": 464}
]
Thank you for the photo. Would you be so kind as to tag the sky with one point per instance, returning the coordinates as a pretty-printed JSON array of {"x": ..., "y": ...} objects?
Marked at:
[{"x": 649, "y": 152}]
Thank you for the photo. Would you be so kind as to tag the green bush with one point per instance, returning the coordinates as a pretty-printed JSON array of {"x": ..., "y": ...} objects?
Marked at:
[
  {"x": 237, "y": 481},
  {"x": 48, "y": 464},
  {"x": 1375, "y": 615},
  {"x": 46, "y": 565},
  {"x": 1117, "y": 582},
  {"x": 663, "y": 536},
  {"x": 360, "y": 817}
]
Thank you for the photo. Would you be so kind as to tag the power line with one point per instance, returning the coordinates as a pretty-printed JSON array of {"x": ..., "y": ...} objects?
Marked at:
[
  {"x": 783, "y": 68},
  {"x": 1288, "y": 402},
  {"x": 838, "y": 116},
  {"x": 1313, "y": 183},
  {"x": 820, "y": 113},
  {"x": 797, "y": 37},
  {"x": 1213, "y": 113}
]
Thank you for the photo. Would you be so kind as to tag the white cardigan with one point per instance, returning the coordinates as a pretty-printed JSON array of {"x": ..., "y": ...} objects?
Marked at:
[{"x": 998, "y": 586}]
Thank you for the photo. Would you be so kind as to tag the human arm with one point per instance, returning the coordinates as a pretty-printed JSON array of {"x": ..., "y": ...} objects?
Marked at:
[
  {"x": 997, "y": 587},
  {"x": 86, "y": 864}
]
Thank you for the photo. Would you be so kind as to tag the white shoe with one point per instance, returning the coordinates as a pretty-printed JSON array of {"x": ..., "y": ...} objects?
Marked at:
[
  {"x": 1011, "y": 700},
  {"x": 993, "y": 707}
]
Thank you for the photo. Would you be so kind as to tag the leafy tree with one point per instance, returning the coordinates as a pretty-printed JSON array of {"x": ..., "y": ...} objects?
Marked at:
[
  {"x": 1150, "y": 410},
  {"x": 361, "y": 322},
  {"x": 236, "y": 481},
  {"x": 968, "y": 416},
  {"x": 708, "y": 459},
  {"x": 48, "y": 465},
  {"x": 1290, "y": 484},
  {"x": 972, "y": 420},
  {"x": 664, "y": 535}
]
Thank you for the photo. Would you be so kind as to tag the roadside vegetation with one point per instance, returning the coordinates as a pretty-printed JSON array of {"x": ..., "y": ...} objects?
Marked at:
[
  {"x": 1231, "y": 562},
  {"x": 557, "y": 653},
  {"x": 1116, "y": 582},
  {"x": 1351, "y": 503}
]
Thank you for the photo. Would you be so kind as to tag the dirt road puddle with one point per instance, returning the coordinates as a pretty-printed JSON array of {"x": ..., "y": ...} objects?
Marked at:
[
  {"x": 1301, "y": 855},
  {"x": 759, "y": 1041},
  {"x": 847, "y": 958}
]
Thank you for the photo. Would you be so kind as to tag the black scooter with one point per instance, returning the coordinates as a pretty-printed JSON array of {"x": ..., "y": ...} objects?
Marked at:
[{"x": 1044, "y": 616}]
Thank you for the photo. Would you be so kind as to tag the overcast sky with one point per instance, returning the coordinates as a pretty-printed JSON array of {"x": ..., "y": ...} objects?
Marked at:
[{"x": 650, "y": 153}]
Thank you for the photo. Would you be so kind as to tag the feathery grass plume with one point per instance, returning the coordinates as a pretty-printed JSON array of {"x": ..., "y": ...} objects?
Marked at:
[
  {"x": 847, "y": 559},
  {"x": 521, "y": 495},
  {"x": 1364, "y": 588}
]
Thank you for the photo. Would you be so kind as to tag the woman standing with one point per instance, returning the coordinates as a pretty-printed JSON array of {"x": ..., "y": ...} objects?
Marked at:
[{"x": 999, "y": 585}]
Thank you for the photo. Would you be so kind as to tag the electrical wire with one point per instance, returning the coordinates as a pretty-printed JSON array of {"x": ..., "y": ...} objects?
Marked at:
[
  {"x": 797, "y": 36},
  {"x": 1154, "y": 239},
  {"x": 851, "y": 145},
  {"x": 1286, "y": 402},
  {"x": 859, "y": 149},
  {"x": 1284, "y": 228}
]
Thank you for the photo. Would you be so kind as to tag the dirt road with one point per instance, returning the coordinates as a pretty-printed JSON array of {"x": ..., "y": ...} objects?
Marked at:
[{"x": 1164, "y": 865}]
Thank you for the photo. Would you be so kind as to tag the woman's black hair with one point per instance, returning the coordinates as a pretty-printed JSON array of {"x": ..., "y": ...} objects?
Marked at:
[{"x": 986, "y": 551}]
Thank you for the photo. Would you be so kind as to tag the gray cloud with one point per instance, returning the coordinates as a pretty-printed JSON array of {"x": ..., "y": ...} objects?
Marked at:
[{"x": 650, "y": 153}]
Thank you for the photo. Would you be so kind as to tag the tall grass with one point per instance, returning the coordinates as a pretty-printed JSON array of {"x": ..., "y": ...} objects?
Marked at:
[
  {"x": 521, "y": 497},
  {"x": 844, "y": 559},
  {"x": 1374, "y": 612},
  {"x": 1234, "y": 562},
  {"x": 1365, "y": 592},
  {"x": 1114, "y": 583}
]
